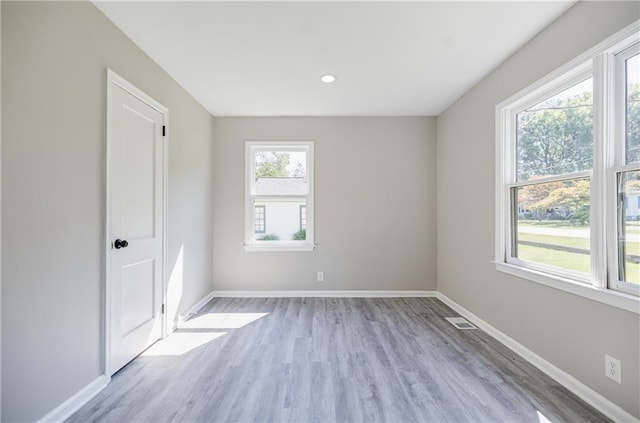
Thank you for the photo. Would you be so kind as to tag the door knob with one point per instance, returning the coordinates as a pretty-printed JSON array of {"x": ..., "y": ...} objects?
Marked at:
[{"x": 120, "y": 243}]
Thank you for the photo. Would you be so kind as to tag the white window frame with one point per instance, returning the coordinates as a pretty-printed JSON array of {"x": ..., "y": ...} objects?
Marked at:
[
  {"x": 599, "y": 63},
  {"x": 251, "y": 243},
  {"x": 618, "y": 63}
]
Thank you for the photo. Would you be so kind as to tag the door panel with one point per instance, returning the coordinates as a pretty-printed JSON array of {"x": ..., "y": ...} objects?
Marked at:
[
  {"x": 136, "y": 153},
  {"x": 139, "y": 173},
  {"x": 137, "y": 295}
]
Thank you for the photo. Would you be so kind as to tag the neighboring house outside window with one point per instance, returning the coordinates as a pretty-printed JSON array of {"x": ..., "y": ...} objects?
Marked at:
[
  {"x": 279, "y": 184},
  {"x": 283, "y": 212},
  {"x": 568, "y": 176}
]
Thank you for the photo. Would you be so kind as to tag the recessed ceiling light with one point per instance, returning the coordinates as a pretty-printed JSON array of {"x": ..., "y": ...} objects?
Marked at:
[{"x": 328, "y": 78}]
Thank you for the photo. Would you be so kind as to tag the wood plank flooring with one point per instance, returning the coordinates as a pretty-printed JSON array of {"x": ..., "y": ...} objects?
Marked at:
[{"x": 331, "y": 360}]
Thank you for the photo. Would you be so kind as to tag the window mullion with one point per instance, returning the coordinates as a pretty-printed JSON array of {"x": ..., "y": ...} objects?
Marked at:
[
  {"x": 603, "y": 157},
  {"x": 621, "y": 278},
  {"x": 505, "y": 173}
]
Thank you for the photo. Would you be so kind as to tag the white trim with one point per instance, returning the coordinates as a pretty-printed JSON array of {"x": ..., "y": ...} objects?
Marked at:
[
  {"x": 591, "y": 397},
  {"x": 537, "y": 93},
  {"x": 112, "y": 79},
  {"x": 135, "y": 91},
  {"x": 602, "y": 158},
  {"x": 502, "y": 213},
  {"x": 166, "y": 329},
  {"x": 194, "y": 309},
  {"x": 322, "y": 294},
  {"x": 107, "y": 234},
  {"x": 73, "y": 404},
  {"x": 284, "y": 247},
  {"x": 616, "y": 299},
  {"x": 562, "y": 274},
  {"x": 585, "y": 174}
]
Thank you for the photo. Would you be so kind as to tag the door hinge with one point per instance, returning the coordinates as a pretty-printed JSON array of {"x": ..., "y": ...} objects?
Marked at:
[
  {"x": 164, "y": 130},
  {"x": 162, "y": 308}
]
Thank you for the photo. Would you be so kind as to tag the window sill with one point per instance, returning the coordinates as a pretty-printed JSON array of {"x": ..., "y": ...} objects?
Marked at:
[
  {"x": 278, "y": 248},
  {"x": 616, "y": 299}
]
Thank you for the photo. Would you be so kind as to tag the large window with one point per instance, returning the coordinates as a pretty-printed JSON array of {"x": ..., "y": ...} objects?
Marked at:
[
  {"x": 568, "y": 175},
  {"x": 279, "y": 184}
]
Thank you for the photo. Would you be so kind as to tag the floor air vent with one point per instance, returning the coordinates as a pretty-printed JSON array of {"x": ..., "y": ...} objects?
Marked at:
[{"x": 460, "y": 322}]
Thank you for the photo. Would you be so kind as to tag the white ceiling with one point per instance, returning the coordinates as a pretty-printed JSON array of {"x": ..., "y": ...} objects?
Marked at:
[{"x": 390, "y": 58}]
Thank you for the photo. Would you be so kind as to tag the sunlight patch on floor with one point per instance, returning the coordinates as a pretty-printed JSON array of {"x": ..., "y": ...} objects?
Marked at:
[
  {"x": 221, "y": 320},
  {"x": 179, "y": 343},
  {"x": 542, "y": 418}
]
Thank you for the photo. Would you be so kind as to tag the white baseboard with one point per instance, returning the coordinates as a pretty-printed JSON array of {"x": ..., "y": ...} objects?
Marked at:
[
  {"x": 73, "y": 404},
  {"x": 597, "y": 401},
  {"x": 194, "y": 309},
  {"x": 318, "y": 294}
]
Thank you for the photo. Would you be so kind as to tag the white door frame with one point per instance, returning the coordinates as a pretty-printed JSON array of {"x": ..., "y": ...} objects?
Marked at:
[{"x": 113, "y": 79}]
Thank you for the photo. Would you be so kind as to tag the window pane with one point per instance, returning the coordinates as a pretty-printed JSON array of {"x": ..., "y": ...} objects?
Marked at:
[
  {"x": 283, "y": 222},
  {"x": 551, "y": 224},
  {"x": 632, "y": 72},
  {"x": 280, "y": 164},
  {"x": 629, "y": 227},
  {"x": 555, "y": 136},
  {"x": 259, "y": 219},
  {"x": 281, "y": 173}
]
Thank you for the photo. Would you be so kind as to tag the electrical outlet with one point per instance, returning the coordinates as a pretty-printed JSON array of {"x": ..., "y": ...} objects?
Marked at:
[
  {"x": 612, "y": 368},
  {"x": 320, "y": 276}
]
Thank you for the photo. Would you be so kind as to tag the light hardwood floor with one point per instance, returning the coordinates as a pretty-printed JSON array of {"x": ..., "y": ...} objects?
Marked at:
[{"x": 331, "y": 360}]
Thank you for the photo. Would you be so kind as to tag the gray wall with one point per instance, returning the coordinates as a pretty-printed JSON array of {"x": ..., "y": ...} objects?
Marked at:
[
  {"x": 375, "y": 205},
  {"x": 569, "y": 331},
  {"x": 53, "y": 163}
]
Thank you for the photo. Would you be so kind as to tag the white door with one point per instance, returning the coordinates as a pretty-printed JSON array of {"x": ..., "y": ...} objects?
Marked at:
[{"x": 136, "y": 223}]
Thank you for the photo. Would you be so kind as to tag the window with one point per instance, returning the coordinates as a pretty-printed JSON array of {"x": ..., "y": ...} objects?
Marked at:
[
  {"x": 260, "y": 219},
  {"x": 279, "y": 183},
  {"x": 303, "y": 218},
  {"x": 554, "y": 157},
  {"x": 624, "y": 262},
  {"x": 568, "y": 155}
]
